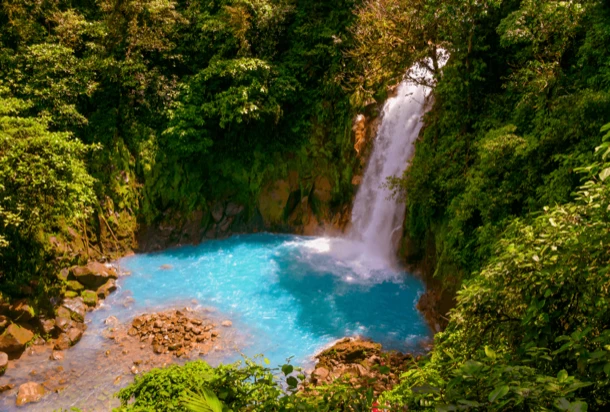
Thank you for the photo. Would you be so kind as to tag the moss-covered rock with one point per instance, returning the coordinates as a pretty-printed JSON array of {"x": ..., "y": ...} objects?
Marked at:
[
  {"x": 70, "y": 294},
  {"x": 74, "y": 285},
  {"x": 89, "y": 297}
]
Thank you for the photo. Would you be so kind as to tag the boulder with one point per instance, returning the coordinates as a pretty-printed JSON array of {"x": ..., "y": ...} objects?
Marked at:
[
  {"x": 29, "y": 392},
  {"x": 63, "y": 324},
  {"x": 47, "y": 326},
  {"x": 89, "y": 298},
  {"x": 3, "y": 362},
  {"x": 77, "y": 308},
  {"x": 74, "y": 334},
  {"x": 93, "y": 275},
  {"x": 74, "y": 285},
  {"x": 63, "y": 313},
  {"x": 62, "y": 342},
  {"x": 22, "y": 311},
  {"x": 106, "y": 289},
  {"x": 321, "y": 373},
  {"x": 15, "y": 338},
  {"x": 57, "y": 355}
]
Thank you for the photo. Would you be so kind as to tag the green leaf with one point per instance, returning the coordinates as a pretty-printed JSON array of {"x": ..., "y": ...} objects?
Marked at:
[
  {"x": 203, "y": 400},
  {"x": 562, "y": 376},
  {"x": 287, "y": 369},
  {"x": 490, "y": 353},
  {"x": 498, "y": 393},
  {"x": 607, "y": 368},
  {"x": 292, "y": 381}
]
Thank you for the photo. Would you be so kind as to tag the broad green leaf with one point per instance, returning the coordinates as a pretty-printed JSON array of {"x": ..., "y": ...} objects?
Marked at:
[{"x": 498, "y": 393}]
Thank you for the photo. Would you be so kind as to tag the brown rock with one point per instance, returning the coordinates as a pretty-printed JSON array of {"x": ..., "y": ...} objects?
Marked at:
[
  {"x": 106, "y": 289},
  {"x": 77, "y": 308},
  {"x": 7, "y": 387},
  {"x": 321, "y": 373},
  {"x": 3, "y": 322},
  {"x": 3, "y": 362},
  {"x": 63, "y": 313},
  {"x": 15, "y": 338},
  {"x": 47, "y": 326},
  {"x": 57, "y": 355},
  {"x": 63, "y": 324},
  {"x": 21, "y": 311},
  {"x": 94, "y": 274},
  {"x": 227, "y": 323},
  {"x": 74, "y": 334},
  {"x": 29, "y": 392},
  {"x": 62, "y": 342}
]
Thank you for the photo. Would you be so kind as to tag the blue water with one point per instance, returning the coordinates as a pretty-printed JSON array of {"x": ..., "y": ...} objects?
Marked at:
[{"x": 288, "y": 295}]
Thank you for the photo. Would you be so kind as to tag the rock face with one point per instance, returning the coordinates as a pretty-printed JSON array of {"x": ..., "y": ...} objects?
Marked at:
[
  {"x": 93, "y": 275},
  {"x": 273, "y": 200},
  {"x": 15, "y": 338},
  {"x": 29, "y": 392}
]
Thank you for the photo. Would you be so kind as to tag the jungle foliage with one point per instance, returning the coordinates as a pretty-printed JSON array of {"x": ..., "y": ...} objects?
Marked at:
[
  {"x": 157, "y": 107},
  {"x": 148, "y": 109}
]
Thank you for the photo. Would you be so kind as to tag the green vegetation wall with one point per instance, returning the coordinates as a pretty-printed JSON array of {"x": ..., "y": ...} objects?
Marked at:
[{"x": 162, "y": 107}]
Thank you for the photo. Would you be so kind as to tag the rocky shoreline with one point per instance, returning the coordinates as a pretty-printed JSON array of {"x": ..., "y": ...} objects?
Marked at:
[
  {"x": 116, "y": 353},
  {"x": 60, "y": 327},
  {"x": 362, "y": 363}
]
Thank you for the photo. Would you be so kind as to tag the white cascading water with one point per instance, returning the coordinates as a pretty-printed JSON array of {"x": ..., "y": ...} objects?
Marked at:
[
  {"x": 377, "y": 217},
  {"x": 368, "y": 250}
]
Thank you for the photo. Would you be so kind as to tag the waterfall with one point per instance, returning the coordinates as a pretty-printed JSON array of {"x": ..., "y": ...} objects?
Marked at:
[{"x": 377, "y": 217}]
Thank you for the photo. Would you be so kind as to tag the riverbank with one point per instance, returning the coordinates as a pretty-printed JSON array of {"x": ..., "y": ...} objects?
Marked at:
[{"x": 110, "y": 354}]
